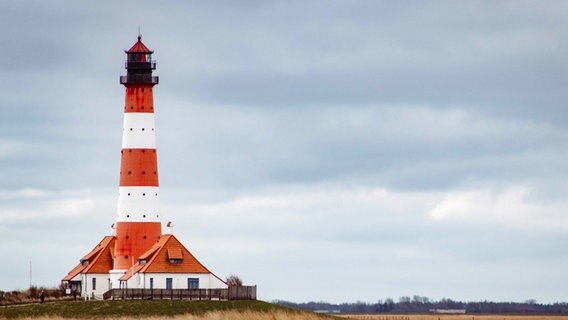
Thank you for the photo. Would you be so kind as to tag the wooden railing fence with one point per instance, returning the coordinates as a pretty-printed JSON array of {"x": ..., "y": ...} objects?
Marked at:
[{"x": 232, "y": 293}]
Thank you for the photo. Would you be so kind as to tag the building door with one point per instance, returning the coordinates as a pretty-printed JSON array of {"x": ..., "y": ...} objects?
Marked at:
[
  {"x": 169, "y": 283},
  {"x": 151, "y": 283}
]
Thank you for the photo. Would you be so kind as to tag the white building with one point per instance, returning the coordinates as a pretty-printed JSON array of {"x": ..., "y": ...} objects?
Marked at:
[{"x": 167, "y": 265}]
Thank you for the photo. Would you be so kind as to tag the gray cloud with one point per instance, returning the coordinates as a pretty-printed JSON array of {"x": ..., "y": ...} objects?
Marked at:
[{"x": 277, "y": 121}]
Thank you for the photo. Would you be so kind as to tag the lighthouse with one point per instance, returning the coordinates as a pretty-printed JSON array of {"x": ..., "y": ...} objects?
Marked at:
[
  {"x": 138, "y": 224},
  {"x": 138, "y": 255}
]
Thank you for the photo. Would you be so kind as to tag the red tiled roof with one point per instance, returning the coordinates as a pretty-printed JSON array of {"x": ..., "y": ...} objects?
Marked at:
[
  {"x": 158, "y": 259},
  {"x": 139, "y": 47},
  {"x": 100, "y": 259}
]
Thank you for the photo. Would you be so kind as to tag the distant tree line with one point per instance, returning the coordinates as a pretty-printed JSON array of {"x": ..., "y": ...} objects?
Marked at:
[{"x": 418, "y": 304}]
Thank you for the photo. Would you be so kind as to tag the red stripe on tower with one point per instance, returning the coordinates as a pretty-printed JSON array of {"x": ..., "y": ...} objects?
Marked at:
[{"x": 138, "y": 225}]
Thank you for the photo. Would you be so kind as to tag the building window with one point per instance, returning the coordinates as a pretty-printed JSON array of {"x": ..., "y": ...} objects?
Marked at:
[
  {"x": 151, "y": 283},
  {"x": 193, "y": 283},
  {"x": 94, "y": 283},
  {"x": 169, "y": 283}
]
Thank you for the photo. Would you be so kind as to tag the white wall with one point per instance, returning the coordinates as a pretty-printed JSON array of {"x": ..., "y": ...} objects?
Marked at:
[
  {"x": 206, "y": 280},
  {"x": 102, "y": 285}
]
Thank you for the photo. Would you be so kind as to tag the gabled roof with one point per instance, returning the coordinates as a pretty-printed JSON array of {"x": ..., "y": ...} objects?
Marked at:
[
  {"x": 98, "y": 260},
  {"x": 139, "y": 47},
  {"x": 157, "y": 259}
]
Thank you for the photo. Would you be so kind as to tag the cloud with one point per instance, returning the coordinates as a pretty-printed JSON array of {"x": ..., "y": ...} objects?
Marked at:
[
  {"x": 515, "y": 207},
  {"x": 402, "y": 146},
  {"x": 380, "y": 137},
  {"x": 383, "y": 233},
  {"x": 33, "y": 205}
]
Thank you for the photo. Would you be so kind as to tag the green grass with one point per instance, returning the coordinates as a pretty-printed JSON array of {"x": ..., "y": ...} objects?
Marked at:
[{"x": 134, "y": 308}]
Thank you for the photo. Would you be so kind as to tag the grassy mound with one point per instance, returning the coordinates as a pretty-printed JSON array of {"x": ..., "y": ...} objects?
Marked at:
[{"x": 152, "y": 309}]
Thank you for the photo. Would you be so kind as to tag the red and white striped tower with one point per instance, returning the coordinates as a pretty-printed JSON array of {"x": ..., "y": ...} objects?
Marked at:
[{"x": 138, "y": 224}]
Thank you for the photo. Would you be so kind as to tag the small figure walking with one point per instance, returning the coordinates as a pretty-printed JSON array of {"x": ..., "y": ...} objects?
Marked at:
[{"x": 42, "y": 297}]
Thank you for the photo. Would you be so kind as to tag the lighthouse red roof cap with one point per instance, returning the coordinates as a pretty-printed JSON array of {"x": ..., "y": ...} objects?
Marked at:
[{"x": 139, "y": 47}]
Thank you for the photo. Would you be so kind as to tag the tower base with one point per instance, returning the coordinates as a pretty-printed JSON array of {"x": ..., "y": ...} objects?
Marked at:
[{"x": 114, "y": 275}]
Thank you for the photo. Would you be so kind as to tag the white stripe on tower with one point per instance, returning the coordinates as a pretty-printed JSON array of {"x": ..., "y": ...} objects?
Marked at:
[
  {"x": 138, "y": 204},
  {"x": 138, "y": 131}
]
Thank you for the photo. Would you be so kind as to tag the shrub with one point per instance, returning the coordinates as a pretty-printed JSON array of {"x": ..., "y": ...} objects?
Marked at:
[{"x": 234, "y": 280}]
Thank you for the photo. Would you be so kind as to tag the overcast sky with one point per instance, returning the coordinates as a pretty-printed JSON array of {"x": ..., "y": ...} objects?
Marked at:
[{"x": 323, "y": 150}]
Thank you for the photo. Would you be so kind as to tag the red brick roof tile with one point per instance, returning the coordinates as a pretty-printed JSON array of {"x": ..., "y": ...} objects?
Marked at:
[
  {"x": 99, "y": 259},
  {"x": 157, "y": 259}
]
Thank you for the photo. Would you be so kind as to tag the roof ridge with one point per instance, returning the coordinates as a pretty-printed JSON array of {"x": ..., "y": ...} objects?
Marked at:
[
  {"x": 101, "y": 251},
  {"x": 166, "y": 238}
]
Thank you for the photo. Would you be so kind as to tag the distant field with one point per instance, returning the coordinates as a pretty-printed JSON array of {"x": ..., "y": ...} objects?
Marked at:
[{"x": 452, "y": 317}]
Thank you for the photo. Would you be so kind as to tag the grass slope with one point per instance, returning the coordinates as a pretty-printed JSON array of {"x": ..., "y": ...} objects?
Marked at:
[{"x": 138, "y": 309}]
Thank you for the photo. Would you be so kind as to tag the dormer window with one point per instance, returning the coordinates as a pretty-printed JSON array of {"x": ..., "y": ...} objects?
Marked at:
[
  {"x": 142, "y": 261},
  {"x": 84, "y": 262},
  {"x": 175, "y": 256}
]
